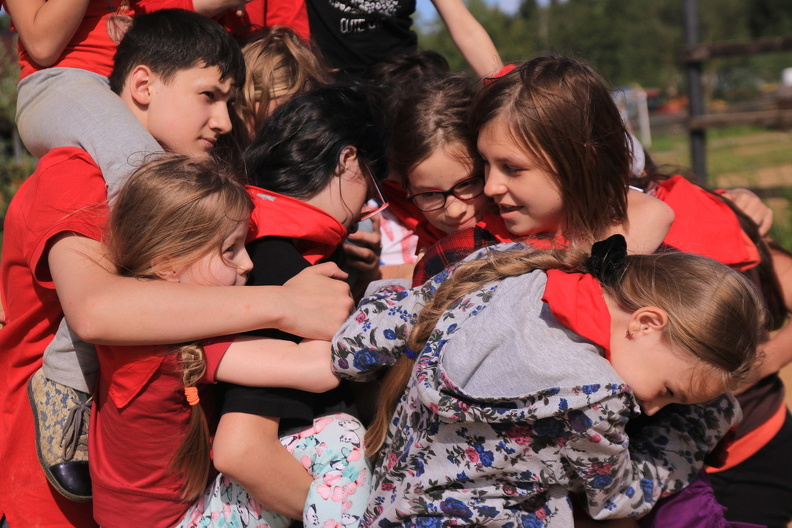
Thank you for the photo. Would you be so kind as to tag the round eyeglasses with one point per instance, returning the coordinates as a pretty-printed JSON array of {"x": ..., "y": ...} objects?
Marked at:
[{"x": 433, "y": 200}]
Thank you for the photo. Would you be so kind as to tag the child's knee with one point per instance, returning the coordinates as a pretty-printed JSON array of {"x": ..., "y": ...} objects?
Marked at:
[{"x": 332, "y": 445}]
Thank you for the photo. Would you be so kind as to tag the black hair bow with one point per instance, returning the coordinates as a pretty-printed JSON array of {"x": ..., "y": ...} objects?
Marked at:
[{"x": 607, "y": 260}]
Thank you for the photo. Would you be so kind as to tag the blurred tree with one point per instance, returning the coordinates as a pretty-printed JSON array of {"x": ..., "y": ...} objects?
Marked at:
[
  {"x": 497, "y": 24},
  {"x": 634, "y": 42},
  {"x": 770, "y": 18},
  {"x": 15, "y": 163}
]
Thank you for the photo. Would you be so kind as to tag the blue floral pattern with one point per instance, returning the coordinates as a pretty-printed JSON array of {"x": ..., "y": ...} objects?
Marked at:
[{"x": 453, "y": 460}]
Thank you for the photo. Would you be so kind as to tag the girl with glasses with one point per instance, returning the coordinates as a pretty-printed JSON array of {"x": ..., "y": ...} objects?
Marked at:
[
  {"x": 433, "y": 155},
  {"x": 558, "y": 165},
  {"x": 433, "y": 158}
]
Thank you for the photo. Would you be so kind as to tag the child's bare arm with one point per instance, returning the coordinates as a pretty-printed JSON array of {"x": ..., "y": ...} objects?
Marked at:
[
  {"x": 215, "y": 7},
  {"x": 469, "y": 36},
  {"x": 750, "y": 204},
  {"x": 266, "y": 362},
  {"x": 46, "y": 26},
  {"x": 648, "y": 222},
  {"x": 105, "y": 308}
]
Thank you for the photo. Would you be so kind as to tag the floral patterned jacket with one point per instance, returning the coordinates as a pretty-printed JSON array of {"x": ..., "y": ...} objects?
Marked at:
[{"x": 465, "y": 449}]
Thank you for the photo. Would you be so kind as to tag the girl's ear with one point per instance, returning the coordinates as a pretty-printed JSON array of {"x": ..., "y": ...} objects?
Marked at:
[
  {"x": 347, "y": 157},
  {"x": 140, "y": 80},
  {"x": 647, "y": 320},
  {"x": 164, "y": 269}
]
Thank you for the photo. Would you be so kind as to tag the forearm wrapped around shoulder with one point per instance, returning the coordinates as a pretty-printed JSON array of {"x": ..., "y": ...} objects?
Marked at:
[{"x": 375, "y": 336}]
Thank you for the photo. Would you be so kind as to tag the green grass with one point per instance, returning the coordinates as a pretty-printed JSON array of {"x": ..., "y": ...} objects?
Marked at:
[
  {"x": 743, "y": 156},
  {"x": 729, "y": 151}
]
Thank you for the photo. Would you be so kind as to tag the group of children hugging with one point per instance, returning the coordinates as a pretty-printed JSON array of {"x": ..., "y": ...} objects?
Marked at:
[{"x": 556, "y": 340}]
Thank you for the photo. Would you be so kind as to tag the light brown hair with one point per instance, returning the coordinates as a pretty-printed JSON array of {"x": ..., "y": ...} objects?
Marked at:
[
  {"x": 180, "y": 208},
  {"x": 279, "y": 64},
  {"x": 434, "y": 116},
  {"x": 560, "y": 113},
  {"x": 714, "y": 312}
]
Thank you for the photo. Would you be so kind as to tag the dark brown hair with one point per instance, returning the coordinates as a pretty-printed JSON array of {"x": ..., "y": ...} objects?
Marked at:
[
  {"x": 560, "y": 112},
  {"x": 434, "y": 116}
]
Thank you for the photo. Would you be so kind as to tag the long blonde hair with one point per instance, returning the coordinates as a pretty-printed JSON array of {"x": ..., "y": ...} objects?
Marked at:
[
  {"x": 180, "y": 208},
  {"x": 279, "y": 65},
  {"x": 714, "y": 312}
]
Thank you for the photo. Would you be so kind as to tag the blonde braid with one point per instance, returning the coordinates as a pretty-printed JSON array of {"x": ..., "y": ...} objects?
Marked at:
[
  {"x": 466, "y": 278},
  {"x": 192, "y": 460}
]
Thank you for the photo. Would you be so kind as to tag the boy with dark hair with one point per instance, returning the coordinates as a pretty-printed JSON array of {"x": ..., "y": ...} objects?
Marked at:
[
  {"x": 171, "y": 46},
  {"x": 172, "y": 40},
  {"x": 53, "y": 259}
]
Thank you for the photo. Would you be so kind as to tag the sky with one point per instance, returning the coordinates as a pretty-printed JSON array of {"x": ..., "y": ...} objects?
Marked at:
[{"x": 426, "y": 11}]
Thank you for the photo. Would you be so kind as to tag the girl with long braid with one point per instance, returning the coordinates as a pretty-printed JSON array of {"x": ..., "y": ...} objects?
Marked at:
[{"x": 515, "y": 373}]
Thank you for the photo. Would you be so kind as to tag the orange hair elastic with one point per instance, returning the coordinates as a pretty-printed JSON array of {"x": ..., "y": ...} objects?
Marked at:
[{"x": 192, "y": 395}]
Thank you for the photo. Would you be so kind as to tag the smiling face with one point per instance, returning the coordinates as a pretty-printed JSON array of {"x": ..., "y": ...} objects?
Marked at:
[
  {"x": 228, "y": 266},
  {"x": 441, "y": 171},
  {"x": 189, "y": 112},
  {"x": 528, "y": 197}
]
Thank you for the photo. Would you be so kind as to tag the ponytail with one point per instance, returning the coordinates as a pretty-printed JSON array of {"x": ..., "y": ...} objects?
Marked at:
[{"x": 192, "y": 460}]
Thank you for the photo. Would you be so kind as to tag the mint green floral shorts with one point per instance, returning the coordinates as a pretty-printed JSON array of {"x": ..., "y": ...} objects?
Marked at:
[{"x": 331, "y": 450}]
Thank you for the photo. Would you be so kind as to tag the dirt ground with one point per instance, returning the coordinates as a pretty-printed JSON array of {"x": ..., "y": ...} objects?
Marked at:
[{"x": 767, "y": 177}]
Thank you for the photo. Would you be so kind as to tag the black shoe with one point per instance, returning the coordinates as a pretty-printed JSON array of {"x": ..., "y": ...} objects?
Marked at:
[{"x": 61, "y": 416}]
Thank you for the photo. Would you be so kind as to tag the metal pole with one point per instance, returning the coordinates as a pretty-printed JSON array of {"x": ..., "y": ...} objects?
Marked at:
[{"x": 698, "y": 138}]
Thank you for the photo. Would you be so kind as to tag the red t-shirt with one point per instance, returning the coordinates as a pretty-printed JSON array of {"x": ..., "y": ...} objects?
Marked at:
[
  {"x": 66, "y": 193},
  {"x": 259, "y": 14},
  {"x": 705, "y": 225},
  {"x": 91, "y": 47},
  {"x": 138, "y": 421}
]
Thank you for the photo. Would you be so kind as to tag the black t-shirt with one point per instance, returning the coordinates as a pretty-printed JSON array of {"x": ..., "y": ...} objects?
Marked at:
[
  {"x": 275, "y": 261},
  {"x": 353, "y": 34}
]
